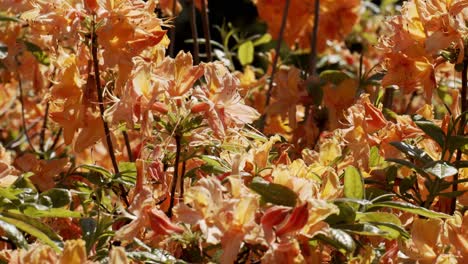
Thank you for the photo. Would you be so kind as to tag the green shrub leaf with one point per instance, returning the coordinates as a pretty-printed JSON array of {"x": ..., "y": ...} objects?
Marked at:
[
  {"x": 408, "y": 207},
  {"x": 353, "y": 186},
  {"x": 274, "y": 193},
  {"x": 246, "y": 53}
]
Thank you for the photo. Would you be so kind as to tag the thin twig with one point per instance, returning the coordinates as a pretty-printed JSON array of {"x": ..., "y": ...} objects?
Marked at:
[
  {"x": 127, "y": 145},
  {"x": 461, "y": 129},
  {"x": 193, "y": 26},
  {"x": 388, "y": 97},
  {"x": 43, "y": 130},
  {"x": 206, "y": 30},
  {"x": 313, "y": 53},
  {"x": 313, "y": 40},
  {"x": 23, "y": 115},
  {"x": 176, "y": 175},
  {"x": 107, "y": 132},
  {"x": 275, "y": 61},
  {"x": 172, "y": 34},
  {"x": 56, "y": 140},
  {"x": 182, "y": 176}
]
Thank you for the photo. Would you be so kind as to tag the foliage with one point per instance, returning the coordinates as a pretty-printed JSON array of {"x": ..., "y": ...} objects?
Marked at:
[{"x": 334, "y": 133}]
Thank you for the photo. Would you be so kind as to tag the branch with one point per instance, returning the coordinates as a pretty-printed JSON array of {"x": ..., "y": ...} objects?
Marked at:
[
  {"x": 23, "y": 115},
  {"x": 275, "y": 61},
  {"x": 176, "y": 175},
  {"x": 193, "y": 26},
  {"x": 461, "y": 129},
  {"x": 313, "y": 40},
  {"x": 173, "y": 30},
  {"x": 206, "y": 30},
  {"x": 97, "y": 78}
]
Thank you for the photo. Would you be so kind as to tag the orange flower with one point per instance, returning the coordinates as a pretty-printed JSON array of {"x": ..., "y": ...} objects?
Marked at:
[
  {"x": 337, "y": 19},
  {"x": 167, "y": 5},
  {"x": 287, "y": 94},
  {"x": 74, "y": 252},
  {"x": 338, "y": 98},
  {"x": 221, "y": 92},
  {"x": 410, "y": 74},
  {"x": 44, "y": 171}
]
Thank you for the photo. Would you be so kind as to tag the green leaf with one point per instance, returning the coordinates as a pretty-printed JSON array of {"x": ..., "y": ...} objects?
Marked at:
[
  {"x": 97, "y": 169},
  {"x": 274, "y": 193},
  {"x": 376, "y": 78},
  {"x": 412, "y": 151},
  {"x": 150, "y": 257},
  {"x": 264, "y": 39},
  {"x": 246, "y": 53},
  {"x": 375, "y": 160},
  {"x": 10, "y": 193},
  {"x": 338, "y": 239},
  {"x": 127, "y": 173},
  {"x": 346, "y": 215},
  {"x": 9, "y": 18},
  {"x": 365, "y": 229},
  {"x": 35, "y": 210},
  {"x": 32, "y": 230},
  {"x": 431, "y": 129},
  {"x": 376, "y": 194},
  {"x": 408, "y": 164},
  {"x": 333, "y": 76},
  {"x": 440, "y": 169},
  {"x": 411, "y": 208},
  {"x": 58, "y": 197},
  {"x": 14, "y": 234},
  {"x": 393, "y": 231},
  {"x": 377, "y": 217},
  {"x": 457, "y": 142},
  {"x": 37, "y": 52},
  {"x": 386, "y": 222},
  {"x": 352, "y": 200},
  {"x": 353, "y": 186},
  {"x": 213, "y": 164}
]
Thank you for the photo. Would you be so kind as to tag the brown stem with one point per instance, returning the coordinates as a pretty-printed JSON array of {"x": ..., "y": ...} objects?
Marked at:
[
  {"x": 176, "y": 175},
  {"x": 275, "y": 61},
  {"x": 461, "y": 129},
  {"x": 388, "y": 98},
  {"x": 127, "y": 146},
  {"x": 56, "y": 140},
  {"x": 172, "y": 34},
  {"x": 313, "y": 40},
  {"x": 43, "y": 130},
  {"x": 97, "y": 77},
  {"x": 184, "y": 167},
  {"x": 193, "y": 26},
  {"x": 23, "y": 115},
  {"x": 206, "y": 30},
  {"x": 313, "y": 51}
]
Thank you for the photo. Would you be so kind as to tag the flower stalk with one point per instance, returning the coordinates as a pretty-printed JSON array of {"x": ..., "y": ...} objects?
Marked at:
[
  {"x": 206, "y": 30},
  {"x": 461, "y": 129},
  {"x": 97, "y": 78},
  {"x": 263, "y": 118},
  {"x": 193, "y": 26},
  {"x": 175, "y": 179}
]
